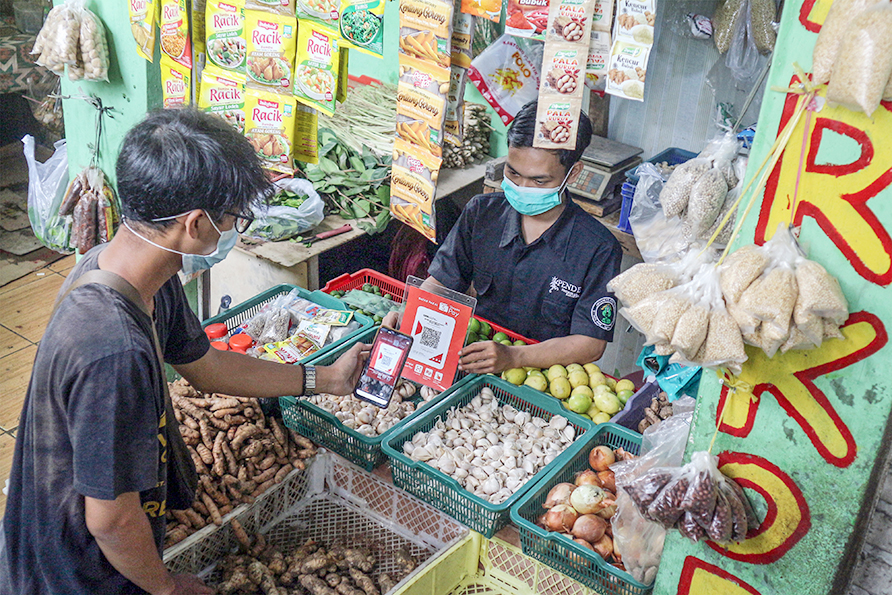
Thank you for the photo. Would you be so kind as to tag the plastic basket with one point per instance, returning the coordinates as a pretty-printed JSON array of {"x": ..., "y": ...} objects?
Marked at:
[
  {"x": 324, "y": 429},
  {"x": 356, "y": 280},
  {"x": 560, "y": 552},
  {"x": 475, "y": 566},
  {"x": 672, "y": 156},
  {"x": 242, "y": 313},
  {"x": 332, "y": 502},
  {"x": 445, "y": 493},
  {"x": 633, "y": 412}
]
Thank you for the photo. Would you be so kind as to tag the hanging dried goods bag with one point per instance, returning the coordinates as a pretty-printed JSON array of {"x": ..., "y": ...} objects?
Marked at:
[
  {"x": 724, "y": 23},
  {"x": 640, "y": 281},
  {"x": 833, "y": 31},
  {"x": 93, "y": 47},
  {"x": 57, "y": 41},
  {"x": 677, "y": 190},
  {"x": 863, "y": 65}
]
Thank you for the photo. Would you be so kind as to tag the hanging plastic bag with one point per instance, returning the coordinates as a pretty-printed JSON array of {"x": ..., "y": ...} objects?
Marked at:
[
  {"x": 507, "y": 89},
  {"x": 675, "y": 380},
  {"x": 658, "y": 238},
  {"x": 46, "y": 186},
  {"x": 93, "y": 48},
  {"x": 277, "y": 222},
  {"x": 743, "y": 56},
  {"x": 636, "y": 539}
]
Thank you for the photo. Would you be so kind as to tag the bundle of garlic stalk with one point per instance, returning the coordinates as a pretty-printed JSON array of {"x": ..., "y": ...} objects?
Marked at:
[
  {"x": 475, "y": 145},
  {"x": 365, "y": 119}
]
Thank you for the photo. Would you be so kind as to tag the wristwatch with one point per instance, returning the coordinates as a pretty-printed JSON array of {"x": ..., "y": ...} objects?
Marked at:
[{"x": 309, "y": 380}]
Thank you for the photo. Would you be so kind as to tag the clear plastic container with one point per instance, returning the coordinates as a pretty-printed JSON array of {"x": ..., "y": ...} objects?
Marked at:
[{"x": 28, "y": 16}]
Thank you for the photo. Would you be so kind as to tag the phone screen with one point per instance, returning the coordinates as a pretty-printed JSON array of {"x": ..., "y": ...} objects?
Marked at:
[{"x": 384, "y": 367}]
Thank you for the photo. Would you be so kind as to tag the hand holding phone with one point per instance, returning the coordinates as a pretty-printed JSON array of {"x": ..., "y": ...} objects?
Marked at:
[{"x": 383, "y": 368}]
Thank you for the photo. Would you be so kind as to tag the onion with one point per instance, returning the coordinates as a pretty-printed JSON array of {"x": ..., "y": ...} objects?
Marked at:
[
  {"x": 608, "y": 480},
  {"x": 587, "y": 499},
  {"x": 584, "y": 544},
  {"x": 604, "y": 547},
  {"x": 589, "y": 527},
  {"x": 541, "y": 520},
  {"x": 560, "y": 518},
  {"x": 608, "y": 506},
  {"x": 559, "y": 494},
  {"x": 601, "y": 457},
  {"x": 588, "y": 478}
]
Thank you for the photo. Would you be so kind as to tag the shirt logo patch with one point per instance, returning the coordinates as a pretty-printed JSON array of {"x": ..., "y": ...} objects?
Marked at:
[
  {"x": 604, "y": 313},
  {"x": 570, "y": 290}
]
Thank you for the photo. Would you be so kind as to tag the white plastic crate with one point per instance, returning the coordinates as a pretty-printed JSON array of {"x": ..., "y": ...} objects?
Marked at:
[{"x": 333, "y": 502}]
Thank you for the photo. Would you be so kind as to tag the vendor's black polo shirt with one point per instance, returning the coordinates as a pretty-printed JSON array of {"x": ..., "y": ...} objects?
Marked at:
[{"x": 553, "y": 287}]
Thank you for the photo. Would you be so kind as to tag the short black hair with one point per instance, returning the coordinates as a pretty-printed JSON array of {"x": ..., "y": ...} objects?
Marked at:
[
  {"x": 178, "y": 160},
  {"x": 523, "y": 130}
]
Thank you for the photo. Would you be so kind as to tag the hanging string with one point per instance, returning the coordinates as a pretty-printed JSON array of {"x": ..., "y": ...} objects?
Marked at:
[
  {"x": 736, "y": 387},
  {"x": 101, "y": 112}
]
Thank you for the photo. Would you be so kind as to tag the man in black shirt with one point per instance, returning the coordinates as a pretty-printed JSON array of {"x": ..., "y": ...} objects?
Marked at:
[
  {"x": 89, "y": 483},
  {"x": 538, "y": 263}
]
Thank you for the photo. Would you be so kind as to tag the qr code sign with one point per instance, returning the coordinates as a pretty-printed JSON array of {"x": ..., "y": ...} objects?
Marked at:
[{"x": 430, "y": 337}]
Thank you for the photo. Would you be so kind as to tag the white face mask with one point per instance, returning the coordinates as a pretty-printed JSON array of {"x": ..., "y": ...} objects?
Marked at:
[{"x": 193, "y": 263}]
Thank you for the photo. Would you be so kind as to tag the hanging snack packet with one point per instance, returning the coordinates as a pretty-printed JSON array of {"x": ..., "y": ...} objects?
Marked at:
[
  {"x": 272, "y": 39},
  {"x": 453, "y": 126},
  {"x": 306, "y": 128},
  {"x": 362, "y": 25},
  {"x": 174, "y": 27},
  {"x": 425, "y": 30},
  {"x": 413, "y": 186},
  {"x": 491, "y": 9},
  {"x": 142, "y": 25},
  {"x": 225, "y": 28},
  {"x": 627, "y": 70},
  {"x": 317, "y": 68},
  {"x": 223, "y": 95},
  {"x": 462, "y": 39},
  {"x": 596, "y": 64},
  {"x": 527, "y": 18},
  {"x": 421, "y": 105},
  {"x": 176, "y": 87},
  {"x": 507, "y": 76},
  {"x": 269, "y": 126}
]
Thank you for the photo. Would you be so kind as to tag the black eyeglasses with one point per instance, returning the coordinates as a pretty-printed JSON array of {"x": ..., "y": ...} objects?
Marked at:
[{"x": 243, "y": 221}]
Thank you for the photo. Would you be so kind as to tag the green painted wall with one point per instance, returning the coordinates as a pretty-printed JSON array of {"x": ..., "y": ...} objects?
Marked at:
[{"x": 846, "y": 409}]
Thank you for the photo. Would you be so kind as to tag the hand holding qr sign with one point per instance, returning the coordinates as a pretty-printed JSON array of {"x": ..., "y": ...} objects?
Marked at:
[{"x": 438, "y": 322}]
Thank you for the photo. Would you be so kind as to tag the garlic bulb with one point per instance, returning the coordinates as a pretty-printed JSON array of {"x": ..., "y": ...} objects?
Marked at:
[{"x": 364, "y": 418}]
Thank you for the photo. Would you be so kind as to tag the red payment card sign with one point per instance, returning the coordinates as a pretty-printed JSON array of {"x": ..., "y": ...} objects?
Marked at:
[{"x": 438, "y": 326}]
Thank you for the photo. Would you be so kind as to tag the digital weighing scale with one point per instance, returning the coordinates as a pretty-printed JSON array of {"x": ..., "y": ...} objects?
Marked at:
[{"x": 604, "y": 165}]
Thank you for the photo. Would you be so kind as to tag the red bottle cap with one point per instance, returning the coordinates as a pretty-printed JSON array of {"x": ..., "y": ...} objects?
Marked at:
[
  {"x": 240, "y": 342},
  {"x": 221, "y": 345},
  {"x": 216, "y": 331}
]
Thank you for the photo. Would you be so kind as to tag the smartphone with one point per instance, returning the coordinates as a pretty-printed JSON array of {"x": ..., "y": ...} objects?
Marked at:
[{"x": 383, "y": 368}]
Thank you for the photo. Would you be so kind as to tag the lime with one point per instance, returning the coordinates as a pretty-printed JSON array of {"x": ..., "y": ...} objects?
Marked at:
[
  {"x": 471, "y": 337},
  {"x": 515, "y": 375},
  {"x": 557, "y": 370},
  {"x": 608, "y": 403},
  {"x": 560, "y": 387},
  {"x": 596, "y": 379},
  {"x": 591, "y": 368},
  {"x": 624, "y": 396},
  {"x": 506, "y": 342},
  {"x": 582, "y": 390},
  {"x": 624, "y": 385},
  {"x": 579, "y": 402},
  {"x": 500, "y": 336},
  {"x": 485, "y": 329},
  {"x": 600, "y": 418},
  {"x": 474, "y": 326},
  {"x": 519, "y": 342},
  {"x": 578, "y": 378},
  {"x": 571, "y": 367},
  {"x": 611, "y": 382},
  {"x": 536, "y": 381},
  {"x": 367, "y": 287}
]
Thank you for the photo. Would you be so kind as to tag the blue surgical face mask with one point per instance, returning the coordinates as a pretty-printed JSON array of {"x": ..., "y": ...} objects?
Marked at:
[
  {"x": 532, "y": 201},
  {"x": 193, "y": 263}
]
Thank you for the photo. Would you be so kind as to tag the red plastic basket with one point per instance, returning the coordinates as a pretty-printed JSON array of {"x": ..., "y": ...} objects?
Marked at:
[{"x": 356, "y": 280}]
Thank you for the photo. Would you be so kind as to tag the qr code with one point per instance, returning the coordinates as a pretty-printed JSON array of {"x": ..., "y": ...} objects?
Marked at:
[{"x": 430, "y": 337}]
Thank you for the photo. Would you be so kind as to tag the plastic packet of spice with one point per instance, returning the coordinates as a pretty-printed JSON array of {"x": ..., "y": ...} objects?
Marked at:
[
  {"x": 562, "y": 69},
  {"x": 527, "y": 18},
  {"x": 176, "y": 87},
  {"x": 362, "y": 25},
  {"x": 293, "y": 349},
  {"x": 462, "y": 39},
  {"x": 635, "y": 21},
  {"x": 570, "y": 21},
  {"x": 223, "y": 95},
  {"x": 557, "y": 119},
  {"x": 507, "y": 75},
  {"x": 602, "y": 18},
  {"x": 306, "y": 134},
  {"x": 420, "y": 114},
  {"x": 272, "y": 40},
  {"x": 317, "y": 68},
  {"x": 490, "y": 9},
  {"x": 225, "y": 27},
  {"x": 174, "y": 28},
  {"x": 627, "y": 70},
  {"x": 323, "y": 12},
  {"x": 596, "y": 63},
  {"x": 283, "y": 7},
  {"x": 269, "y": 126},
  {"x": 143, "y": 14},
  {"x": 453, "y": 126}
]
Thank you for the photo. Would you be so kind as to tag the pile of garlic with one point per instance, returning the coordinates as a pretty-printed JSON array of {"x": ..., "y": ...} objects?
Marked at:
[
  {"x": 491, "y": 450},
  {"x": 367, "y": 419}
]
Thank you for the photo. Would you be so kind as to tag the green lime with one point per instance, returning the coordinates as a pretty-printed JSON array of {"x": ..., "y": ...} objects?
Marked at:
[
  {"x": 485, "y": 329},
  {"x": 499, "y": 337},
  {"x": 367, "y": 287},
  {"x": 471, "y": 337},
  {"x": 474, "y": 326},
  {"x": 519, "y": 342},
  {"x": 376, "y": 290},
  {"x": 506, "y": 342}
]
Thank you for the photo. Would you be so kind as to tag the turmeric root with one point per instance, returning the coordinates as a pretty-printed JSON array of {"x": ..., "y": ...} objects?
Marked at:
[
  {"x": 364, "y": 581},
  {"x": 314, "y": 562},
  {"x": 315, "y": 585},
  {"x": 244, "y": 432},
  {"x": 241, "y": 535}
]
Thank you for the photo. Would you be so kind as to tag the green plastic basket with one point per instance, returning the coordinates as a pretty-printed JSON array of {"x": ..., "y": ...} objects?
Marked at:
[
  {"x": 559, "y": 551},
  {"x": 445, "y": 493},
  {"x": 242, "y": 313},
  {"x": 324, "y": 429}
]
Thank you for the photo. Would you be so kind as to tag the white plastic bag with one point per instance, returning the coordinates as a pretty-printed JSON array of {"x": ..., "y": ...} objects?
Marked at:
[
  {"x": 659, "y": 239},
  {"x": 46, "y": 186},
  {"x": 276, "y": 223}
]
